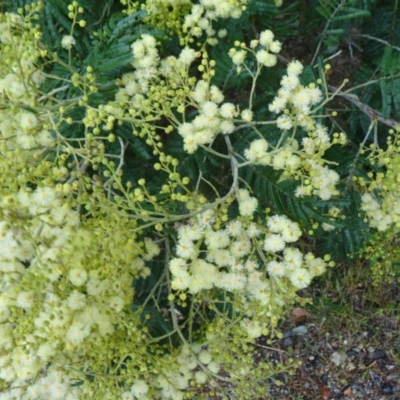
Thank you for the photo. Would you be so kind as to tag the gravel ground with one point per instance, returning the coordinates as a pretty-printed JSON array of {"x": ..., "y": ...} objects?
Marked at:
[
  {"x": 337, "y": 368},
  {"x": 347, "y": 347},
  {"x": 357, "y": 361}
]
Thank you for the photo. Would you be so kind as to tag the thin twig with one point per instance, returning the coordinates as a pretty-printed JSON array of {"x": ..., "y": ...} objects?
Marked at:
[
  {"x": 343, "y": 2},
  {"x": 373, "y": 114},
  {"x": 377, "y": 40},
  {"x": 338, "y": 53},
  {"x": 47, "y": 95},
  {"x": 83, "y": 164},
  {"x": 269, "y": 348},
  {"x": 121, "y": 160}
]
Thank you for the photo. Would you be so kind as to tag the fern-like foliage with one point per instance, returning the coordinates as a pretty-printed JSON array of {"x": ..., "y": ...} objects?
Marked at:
[
  {"x": 263, "y": 14},
  {"x": 54, "y": 21},
  {"x": 340, "y": 15},
  {"x": 111, "y": 47},
  {"x": 390, "y": 68}
]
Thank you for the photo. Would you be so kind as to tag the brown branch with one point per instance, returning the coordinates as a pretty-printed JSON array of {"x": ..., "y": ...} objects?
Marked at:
[{"x": 373, "y": 114}]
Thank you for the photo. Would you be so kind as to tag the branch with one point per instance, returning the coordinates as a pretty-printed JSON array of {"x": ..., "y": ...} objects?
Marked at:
[
  {"x": 121, "y": 161},
  {"x": 378, "y": 40},
  {"x": 372, "y": 114}
]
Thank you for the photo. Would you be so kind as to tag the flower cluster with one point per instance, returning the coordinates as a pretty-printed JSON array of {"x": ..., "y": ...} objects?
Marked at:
[
  {"x": 62, "y": 300},
  {"x": 294, "y": 96},
  {"x": 20, "y": 128},
  {"x": 381, "y": 200},
  {"x": 247, "y": 204},
  {"x": 382, "y": 215},
  {"x": 68, "y": 41},
  {"x": 145, "y": 62},
  {"x": 19, "y": 75},
  {"x": 155, "y": 74},
  {"x": 264, "y": 49},
  {"x": 322, "y": 183},
  {"x": 229, "y": 259},
  {"x": 200, "y": 18},
  {"x": 24, "y": 130},
  {"x": 211, "y": 120},
  {"x": 190, "y": 20},
  {"x": 302, "y": 161}
]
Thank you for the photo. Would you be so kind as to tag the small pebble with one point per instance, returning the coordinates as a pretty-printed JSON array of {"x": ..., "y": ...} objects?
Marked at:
[
  {"x": 377, "y": 354},
  {"x": 352, "y": 353},
  {"x": 387, "y": 388},
  {"x": 376, "y": 378},
  {"x": 287, "y": 342},
  {"x": 324, "y": 378},
  {"x": 287, "y": 334},
  {"x": 313, "y": 361}
]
